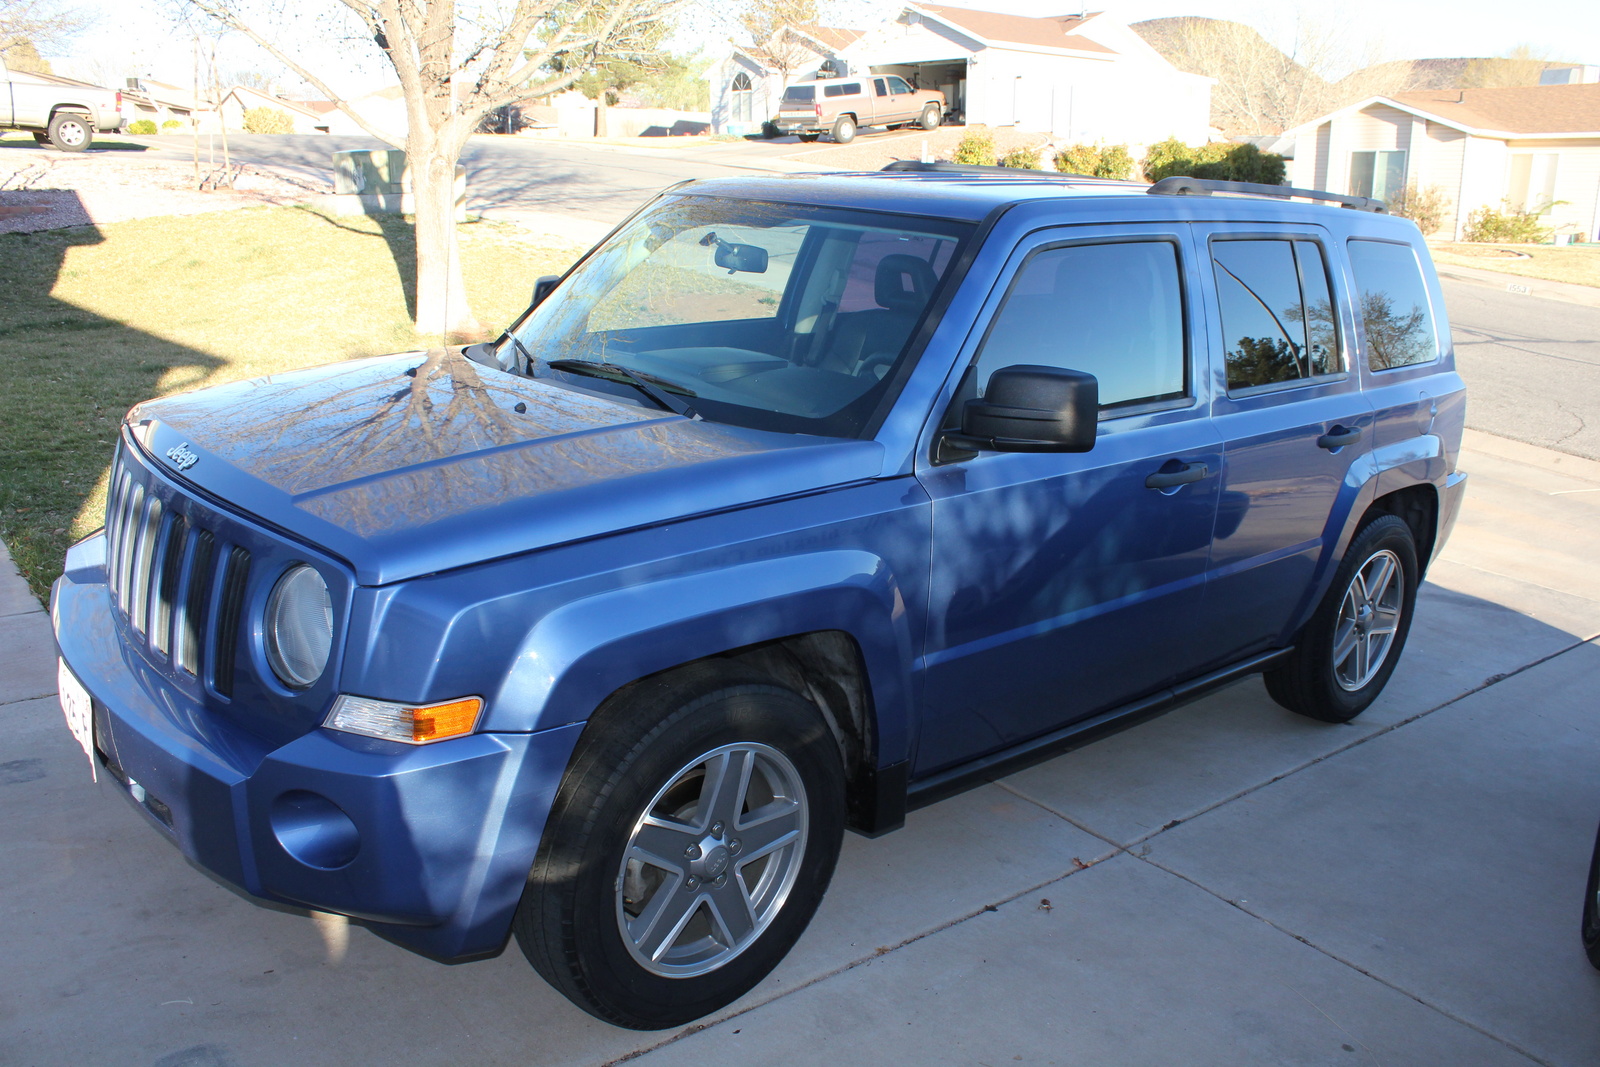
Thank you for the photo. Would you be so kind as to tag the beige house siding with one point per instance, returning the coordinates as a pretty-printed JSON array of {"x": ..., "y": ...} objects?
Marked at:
[{"x": 1473, "y": 171}]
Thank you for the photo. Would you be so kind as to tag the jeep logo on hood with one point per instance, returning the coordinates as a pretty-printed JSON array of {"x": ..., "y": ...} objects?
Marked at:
[{"x": 182, "y": 457}]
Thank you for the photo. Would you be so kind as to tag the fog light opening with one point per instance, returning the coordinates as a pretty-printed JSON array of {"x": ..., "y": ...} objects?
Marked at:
[{"x": 314, "y": 830}]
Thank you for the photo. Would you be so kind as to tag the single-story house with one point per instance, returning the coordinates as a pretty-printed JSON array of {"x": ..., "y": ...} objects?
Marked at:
[
  {"x": 1536, "y": 148},
  {"x": 1082, "y": 77},
  {"x": 144, "y": 98},
  {"x": 241, "y": 98}
]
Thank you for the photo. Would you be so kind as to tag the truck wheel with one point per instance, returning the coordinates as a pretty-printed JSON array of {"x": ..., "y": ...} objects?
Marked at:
[
  {"x": 41, "y": 136},
  {"x": 809, "y": 137},
  {"x": 691, "y": 840},
  {"x": 1345, "y": 654},
  {"x": 844, "y": 129},
  {"x": 930, "y": 117},
  {"x": 70, "y": 131}
]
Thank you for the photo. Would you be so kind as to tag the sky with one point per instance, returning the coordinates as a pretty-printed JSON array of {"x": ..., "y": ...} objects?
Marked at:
[{"x": 138, "y": 32}]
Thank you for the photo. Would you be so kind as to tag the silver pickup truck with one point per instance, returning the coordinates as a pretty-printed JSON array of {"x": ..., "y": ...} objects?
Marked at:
[{"x": 64, "y": 114}]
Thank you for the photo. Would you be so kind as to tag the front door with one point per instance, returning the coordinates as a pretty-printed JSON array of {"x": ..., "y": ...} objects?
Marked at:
[{"x": 1066, "y": 584}]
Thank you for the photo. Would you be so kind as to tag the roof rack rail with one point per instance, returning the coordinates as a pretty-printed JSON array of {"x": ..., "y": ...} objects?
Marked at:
[
  {"x": 1179, "y": 185},
  {"x": 921, "y": 166}
]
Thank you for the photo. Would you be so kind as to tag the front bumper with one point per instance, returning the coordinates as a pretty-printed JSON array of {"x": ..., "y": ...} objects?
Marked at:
[{"x": 431, "y": 845}]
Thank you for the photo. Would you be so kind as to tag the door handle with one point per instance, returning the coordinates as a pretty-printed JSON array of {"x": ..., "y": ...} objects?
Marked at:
[
  {"x": 1191, "y": 472},
  {"x": 1338, "y": 437}
]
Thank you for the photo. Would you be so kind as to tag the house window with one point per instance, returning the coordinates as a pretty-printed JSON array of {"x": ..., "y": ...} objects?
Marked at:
[
  {"x": 1377, "y": 174},
  {"x": 1532, "y": 187},
  {"x": 744, "y": 98}
]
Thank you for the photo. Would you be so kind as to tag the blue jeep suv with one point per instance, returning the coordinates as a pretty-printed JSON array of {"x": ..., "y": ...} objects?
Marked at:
[{"x": 796, "y": 502}]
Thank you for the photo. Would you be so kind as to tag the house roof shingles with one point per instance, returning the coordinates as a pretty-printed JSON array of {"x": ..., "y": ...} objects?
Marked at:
[
  {"x": 1531, "y": 109},
  {"x": 1054, "y": 32},
  {"x": 831, "y": 36}
]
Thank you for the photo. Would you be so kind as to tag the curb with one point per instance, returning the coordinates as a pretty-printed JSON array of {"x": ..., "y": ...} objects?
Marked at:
[{"x": 1522, "y": 285}]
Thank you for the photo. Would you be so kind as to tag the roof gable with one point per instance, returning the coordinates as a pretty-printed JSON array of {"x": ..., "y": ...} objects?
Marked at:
[
  {"x": 1539, "y": 110},
  {"x": 992, "y": 27}
]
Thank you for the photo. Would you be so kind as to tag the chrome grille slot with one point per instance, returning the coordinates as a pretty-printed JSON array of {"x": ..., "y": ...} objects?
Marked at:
[
  {"x": 144, "y": 557},
  {"x": 162, "y": 610},
  {"x": 228, "y": 612},
  {"x": 191, "y": 623},
  {"x": 127, "y": 544}
]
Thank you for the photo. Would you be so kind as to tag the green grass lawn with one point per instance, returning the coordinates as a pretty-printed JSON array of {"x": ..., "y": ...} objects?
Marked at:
[
  {"x": 93, "y": 321},
  {"x": 1580, "y": 265}
]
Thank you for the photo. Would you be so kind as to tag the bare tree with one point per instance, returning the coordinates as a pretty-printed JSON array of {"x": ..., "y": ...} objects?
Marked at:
[
  {"x": 28, "y": 26},
  {"x": 456, "y": 62},
  {"x": 769, "y": 23},
  {"x": 1519, "y": 66}
]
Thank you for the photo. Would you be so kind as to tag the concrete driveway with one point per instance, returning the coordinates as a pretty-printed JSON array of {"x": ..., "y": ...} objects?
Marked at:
[{"x": 1228, "y": 884}]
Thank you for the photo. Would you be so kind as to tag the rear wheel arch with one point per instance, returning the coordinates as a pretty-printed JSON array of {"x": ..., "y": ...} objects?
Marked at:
[{"x": 1418, "y": 506}]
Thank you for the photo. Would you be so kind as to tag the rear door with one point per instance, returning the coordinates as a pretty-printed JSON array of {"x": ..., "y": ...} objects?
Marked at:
[
  {"x": 1066, "y": 584},
  {"x": 1293, "y": 420}
]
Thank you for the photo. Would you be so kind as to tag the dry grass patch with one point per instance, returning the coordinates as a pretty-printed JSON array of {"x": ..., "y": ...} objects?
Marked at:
[
  {"x": 1581, "y": 265},
  {"x": 93, "y": 320}
]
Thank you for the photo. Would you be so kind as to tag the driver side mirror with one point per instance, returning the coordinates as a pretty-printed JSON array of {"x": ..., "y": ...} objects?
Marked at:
[
  {"x": 542, "y": 288},
  {"x": 1030, "y": 408}
]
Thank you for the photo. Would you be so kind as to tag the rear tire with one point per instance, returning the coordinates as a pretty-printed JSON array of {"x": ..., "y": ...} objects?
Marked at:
[
  {"x": 808, "y": 138},
  {"x": 41, "y": 136},
  {"x": 931, "y": 118},
  {"x": 659, "y": 896},
  {"x": 70, "y": 131},
  {"x": 1348, "y": 650},
  {"x": 844, "y": 129}
]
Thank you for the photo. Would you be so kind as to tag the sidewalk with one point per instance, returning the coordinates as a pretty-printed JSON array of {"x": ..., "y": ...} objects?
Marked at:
[
  {"x": 1229, "y": 884},
  {"x": 1518, "y": 283}
]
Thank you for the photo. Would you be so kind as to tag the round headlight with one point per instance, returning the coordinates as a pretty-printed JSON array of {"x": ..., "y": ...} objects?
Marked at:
[{"x": 299, "y": 626}]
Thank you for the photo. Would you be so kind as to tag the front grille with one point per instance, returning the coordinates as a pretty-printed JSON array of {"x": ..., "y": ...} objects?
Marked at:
[{"x": 162, "y": 569}]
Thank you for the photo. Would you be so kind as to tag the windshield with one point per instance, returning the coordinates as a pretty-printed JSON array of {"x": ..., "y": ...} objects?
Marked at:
[{"x": 773, "y": 316}]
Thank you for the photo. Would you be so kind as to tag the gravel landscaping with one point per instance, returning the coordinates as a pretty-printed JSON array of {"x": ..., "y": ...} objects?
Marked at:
[{"x": 92, "y": 188}]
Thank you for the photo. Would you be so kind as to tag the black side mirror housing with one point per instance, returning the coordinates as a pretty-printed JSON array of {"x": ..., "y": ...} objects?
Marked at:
[
  {"x": 543, "y": 286},
  {"x": 750, "y": 259},
  {"x": 1029, "y": 408}
]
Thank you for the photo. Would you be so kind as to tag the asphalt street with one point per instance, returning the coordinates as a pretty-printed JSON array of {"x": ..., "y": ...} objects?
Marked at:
[
  {"x": 1532, "y": 366},
  {"x": 507, "y": 173}
]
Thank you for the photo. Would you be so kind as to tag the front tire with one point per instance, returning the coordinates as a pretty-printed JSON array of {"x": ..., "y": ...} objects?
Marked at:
[
  {"x": 1348, "y": 650},
  {"x": 70, "y": 131},
  {"x": 1591, "y": 908},
  {"x": 692, "y": 838},
  {"x": 844, "y": 129},
  {"x": 931, "y": 118}
]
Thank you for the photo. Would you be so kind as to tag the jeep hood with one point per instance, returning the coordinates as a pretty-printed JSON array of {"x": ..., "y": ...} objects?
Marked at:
[{"x": 406, "y": 465}]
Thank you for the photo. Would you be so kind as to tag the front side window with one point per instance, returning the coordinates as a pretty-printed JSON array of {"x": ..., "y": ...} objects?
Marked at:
[
  {"x": 898, "y": 85},
  {"x": 774, "y": 316},
  {"x": 1394, "y": 305},
  {"x": 1112, "y": 310},
  {"x": 1278, "y": 323},
  {"x": 1377, "y": 174}
]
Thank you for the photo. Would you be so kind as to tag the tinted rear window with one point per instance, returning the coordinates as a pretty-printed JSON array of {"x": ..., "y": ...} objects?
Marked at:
[
  {"x": 847, "y": 89},
  {"x": 1394, "y": 305},
  {"x": 800, "y": 94}
]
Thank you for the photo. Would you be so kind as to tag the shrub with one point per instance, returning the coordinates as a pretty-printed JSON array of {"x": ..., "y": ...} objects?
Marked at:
[
  {"x": 1425, "y": 207},
  {"x": 1221, "y": 161},
  {"x": 172, "y": 124},
  {"x": 1025, "y": 157},
  {"x": 1095, "y": 161},
  {"x": 769, "y": 130},
  {"x": 267, "y": 120},
  {"x": 1505, "y": 227},
  {"x": 976, "y": 147},
  {"x": 141, "y": 126}
]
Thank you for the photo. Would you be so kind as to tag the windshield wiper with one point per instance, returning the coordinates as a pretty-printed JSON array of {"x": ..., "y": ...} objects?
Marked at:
[{"x": 642, "y": 382}]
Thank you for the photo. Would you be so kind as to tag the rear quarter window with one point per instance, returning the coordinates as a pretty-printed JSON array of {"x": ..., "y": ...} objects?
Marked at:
[
  {"x": 1394, "y": 305},
  {"x": 847, "y": 89}
]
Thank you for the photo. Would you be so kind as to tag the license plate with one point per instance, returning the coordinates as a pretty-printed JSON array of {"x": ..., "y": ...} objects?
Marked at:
[{"x": 79, "y": 710}]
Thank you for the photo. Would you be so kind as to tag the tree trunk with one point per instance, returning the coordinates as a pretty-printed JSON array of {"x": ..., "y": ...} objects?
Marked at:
[{"x": 441, "y": 293}]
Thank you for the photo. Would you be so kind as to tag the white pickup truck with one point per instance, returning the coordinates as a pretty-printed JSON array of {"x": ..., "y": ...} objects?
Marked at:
[{"x": 64, "y": 114}]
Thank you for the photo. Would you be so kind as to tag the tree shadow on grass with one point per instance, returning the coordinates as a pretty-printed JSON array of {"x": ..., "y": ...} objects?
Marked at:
[
  {"x": 69, "y": 376},
  {"x": 401, "y": 237}
]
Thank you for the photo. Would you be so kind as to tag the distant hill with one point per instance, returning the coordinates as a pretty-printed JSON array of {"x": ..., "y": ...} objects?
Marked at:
[{"x": 1261, "y": 90}]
